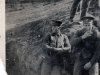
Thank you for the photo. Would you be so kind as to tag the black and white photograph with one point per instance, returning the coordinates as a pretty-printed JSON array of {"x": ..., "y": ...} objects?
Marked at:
[{"x": 52, "y": 37}]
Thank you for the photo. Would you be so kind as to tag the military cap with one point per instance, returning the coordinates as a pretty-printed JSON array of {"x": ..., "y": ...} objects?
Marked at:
[
  {"x": 87, "y": 18},
  {"x": 56, "y": 23}
]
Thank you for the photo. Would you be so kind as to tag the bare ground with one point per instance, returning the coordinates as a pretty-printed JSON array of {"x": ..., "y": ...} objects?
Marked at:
[{"x": 35, "y": 12}]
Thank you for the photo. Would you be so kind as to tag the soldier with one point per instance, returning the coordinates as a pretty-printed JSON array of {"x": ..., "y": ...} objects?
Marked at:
[
  {"x": 87, "y": 42},
  {"x": 55, "y": 43},
  {"x": 74, "y": 7}
]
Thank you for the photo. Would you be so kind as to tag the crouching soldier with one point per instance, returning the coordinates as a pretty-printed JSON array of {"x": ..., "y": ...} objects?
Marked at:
[
  {"x": 87, "y": 42},
  {"x": 55, "y": 43}
]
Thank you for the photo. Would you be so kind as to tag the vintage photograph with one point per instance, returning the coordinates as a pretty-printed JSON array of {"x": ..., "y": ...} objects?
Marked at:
[{"x": 52, "y": 37}]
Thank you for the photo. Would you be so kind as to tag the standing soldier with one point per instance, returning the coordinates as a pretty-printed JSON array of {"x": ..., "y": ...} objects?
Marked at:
[
  {"x": 74, "y": 7},
  {"x": 55, "y": 43},
  {"x": 87, "y": 42}
]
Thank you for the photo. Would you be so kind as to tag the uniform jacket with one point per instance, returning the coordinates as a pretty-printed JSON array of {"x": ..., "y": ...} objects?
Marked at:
[
  {"x": 57, "y": 41},
  {"x": 89, "y": 47}
]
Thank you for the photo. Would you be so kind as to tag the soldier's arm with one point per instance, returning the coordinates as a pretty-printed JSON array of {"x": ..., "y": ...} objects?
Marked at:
[
  {"x": 49, "y": 49},
  {"x": 46, "y": 45},
  {"x": 75, "y": 40}
]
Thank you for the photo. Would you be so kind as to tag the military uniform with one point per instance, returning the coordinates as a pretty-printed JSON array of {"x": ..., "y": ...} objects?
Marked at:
[
  {"x": 88, "y": 50},
  {"x": 52, "y": 59}
]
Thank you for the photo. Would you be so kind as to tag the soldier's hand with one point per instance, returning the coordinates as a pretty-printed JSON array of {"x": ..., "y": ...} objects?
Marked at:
[
  {"x": 87, "y": 34},
  {"x": 87, "y": 66},
  {"x": 69, "y": 49},
  {"x": 47, "y": 46}
]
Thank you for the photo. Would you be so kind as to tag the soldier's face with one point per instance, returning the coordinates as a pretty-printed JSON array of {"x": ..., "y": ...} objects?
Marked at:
[
  {"x": 55, "y": 29},
  {"x": 87, "y": 25}
]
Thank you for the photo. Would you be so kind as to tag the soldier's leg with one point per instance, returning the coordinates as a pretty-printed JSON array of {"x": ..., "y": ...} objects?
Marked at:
[
  {"x": 56, "y": 70},
  {"x": 94, "y": 70},
  {"x": 84, "y": 8},
  {"x": 78, "y": 67},
  {"x": 46, "y": 67},
  {"x": 73, "y": 9}
]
